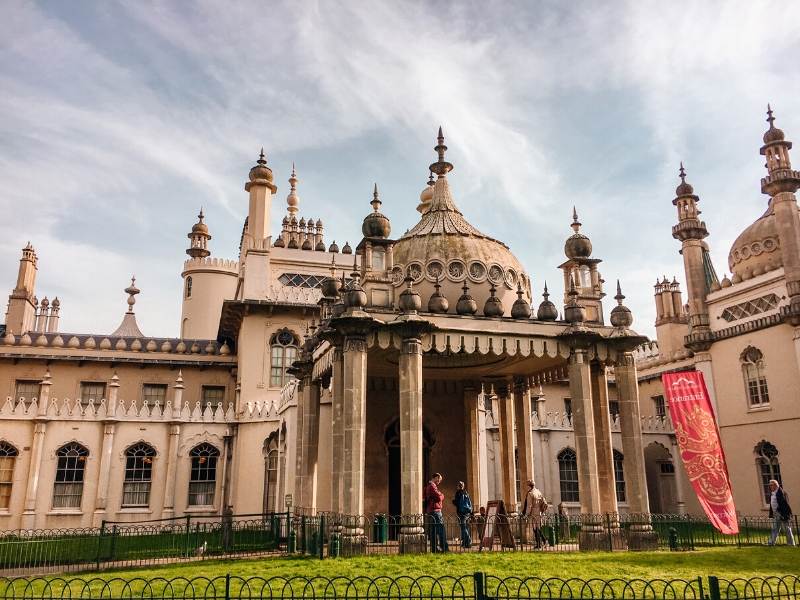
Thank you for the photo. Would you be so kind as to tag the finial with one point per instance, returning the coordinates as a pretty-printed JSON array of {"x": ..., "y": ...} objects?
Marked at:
[
  {"x": 682, "y": 173},
  {"x": 261, "y": 158},
  {"x": 333, "y": 265},
  {"x": 576, "y": 225},
  {"x": 376, "y": 201},
  {"x": 545, "y": 294},
  {"x": 201, "y": 215},
  {"x": 430, "y": 178},
  {"x": 619, "y": 297},
  {"x": 770, "y": 118},
  {"x": 441, "y": 167},
  {"x": 132, "y": 290},
  {"x": 519, "y": 290}
]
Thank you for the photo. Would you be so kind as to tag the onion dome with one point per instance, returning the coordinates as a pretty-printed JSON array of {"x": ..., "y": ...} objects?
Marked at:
[
  {"x": 773, "y": 134},
  {"x": 333, "y": 247},
  {"x": 621, "y": 315},
  {"x": 426, "y": 196},
  {"x": 56, "y": 303},
  {"x": 521, "y": 308},
  {"x": 339, "y": 306},
  {"x": 200, "y": 226},
  {"x": 438, "y": 302},
  {"x": 320, "y": 247},
  {"x": 198, "y": 238},
  {"x": 574, "y": 312},
  {"x": 547, "y": 310},
  {"x": 330, "y": 285},
  {"x": 260, "y": 170},
  {"x": 307, "y": 244},
  {"x": 577, "y": 245},
  {"x": 683, "y": 189},
  {"x": 466, "y": 305},
  {"x": 347, "y": 249},
  {"x": 410, "y": 301},
  {"x": 376, "y": 224},
  {"x": 493, "y": 307},
  {"x": 355, "y": 297},
  {"x": 758, "y": 247}
]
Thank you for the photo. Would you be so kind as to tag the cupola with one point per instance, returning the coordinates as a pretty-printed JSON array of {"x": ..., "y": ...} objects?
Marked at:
[{"x": 376, "y": 224}]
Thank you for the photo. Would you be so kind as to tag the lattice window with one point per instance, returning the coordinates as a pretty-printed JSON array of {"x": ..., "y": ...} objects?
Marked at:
[
  {"x": 68, "y": 487},
  {"x": 660, "y": 406},
  {"x": 568, "y": 475},
  {"x": 751, "y": 308},
  {"x": 203, "y": 481},
  {"x": 619, "y": 476},
  {"x": 138, "y": 475},
  {"x": 300, "y": 280},
  {"x": 755, "y": 379},
  {"x": 8, "y": 456},
  {"x": 768, "y": 467}
]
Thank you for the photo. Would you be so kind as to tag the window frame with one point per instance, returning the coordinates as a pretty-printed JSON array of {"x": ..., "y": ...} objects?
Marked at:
[
  {"x": 284, "y": 354},
  {"x": 620, "y": 489},
  {"x": 71, "y": 459},
  {"x": 137, "y": 474},
  {"x": 187, "y": 291},
  {"x": 566, "y": 458},
  {"x": 205, "y": 389},
  {"x": 756, "y": 388},
  {"x": 772, "y": 464},
  {"x": 206, "y": 487},
  {"x": 150, "y": 385},
  {"x": 86, "y": 385},
  {"x": 34, "y": 383},
  {"x": 8, "y": 460},
  {"x": 659, "y": 406}
]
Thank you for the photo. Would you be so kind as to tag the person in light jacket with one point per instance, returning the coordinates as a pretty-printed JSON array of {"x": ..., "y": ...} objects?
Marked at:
[{"x": 780, "y": 512}]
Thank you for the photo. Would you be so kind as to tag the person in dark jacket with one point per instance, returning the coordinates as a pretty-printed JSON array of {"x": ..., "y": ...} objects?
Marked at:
[
  {"x": 463, "y": 504},
  {"x": 780, "y": 512},
  {"x": 433, "y": 507}
]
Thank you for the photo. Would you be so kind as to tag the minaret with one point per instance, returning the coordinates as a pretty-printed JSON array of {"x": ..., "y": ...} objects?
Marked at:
[
  {"x": 671, "y": 320},
  {"x": 691, "y": 232},
  {"x": 580, "y": 272},
  {"x": 198, "y": 238},
  {"x": 780, "y": 184},
  {"x": 21, "y": 310},
  {"x": 261, "y": 189}
]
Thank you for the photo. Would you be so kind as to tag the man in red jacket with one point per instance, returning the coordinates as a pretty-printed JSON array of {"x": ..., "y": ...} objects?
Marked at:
[{"x": 433, "y": 507}]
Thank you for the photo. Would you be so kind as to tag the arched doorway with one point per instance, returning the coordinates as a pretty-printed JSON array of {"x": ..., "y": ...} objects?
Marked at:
[
  {"x": 392, "y": 441},
  {"x": 661, "y": 487}
]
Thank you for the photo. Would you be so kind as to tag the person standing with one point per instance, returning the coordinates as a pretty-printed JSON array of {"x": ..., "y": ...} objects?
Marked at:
[
  {"x": 532, "y": 509},
  {"x": 463, "y": 504},
  {"x": 780, "y": 512},
  {"x": 433, "y": 507}
]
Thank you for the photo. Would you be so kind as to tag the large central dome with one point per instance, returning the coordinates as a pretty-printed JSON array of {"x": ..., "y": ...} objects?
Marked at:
[
  {"x": 444, "y": 246},
  {"x": 757, "y": 249}
]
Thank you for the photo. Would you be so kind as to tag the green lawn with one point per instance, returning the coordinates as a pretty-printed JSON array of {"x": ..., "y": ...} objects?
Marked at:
[{"x": 722, "y": 562}]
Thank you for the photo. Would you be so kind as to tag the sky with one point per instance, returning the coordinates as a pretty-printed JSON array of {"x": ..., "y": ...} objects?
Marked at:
[{"x": 119, "y": 120}]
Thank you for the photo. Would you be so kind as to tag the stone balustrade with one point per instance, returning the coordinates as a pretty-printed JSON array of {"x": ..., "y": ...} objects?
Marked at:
[
  {"x": 121, "y": 344},
  {"x": 556, "y": 420}
]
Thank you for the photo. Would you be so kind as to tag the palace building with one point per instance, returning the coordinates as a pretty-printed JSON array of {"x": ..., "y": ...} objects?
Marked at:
[{"x": 345, "y": 376}]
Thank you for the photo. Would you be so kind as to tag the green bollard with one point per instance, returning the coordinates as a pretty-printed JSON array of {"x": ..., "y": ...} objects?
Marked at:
[
  {"x": 335, "y": 545},
  {"x": 673, "y": 539},
  {"x": 292, "y": 543}
]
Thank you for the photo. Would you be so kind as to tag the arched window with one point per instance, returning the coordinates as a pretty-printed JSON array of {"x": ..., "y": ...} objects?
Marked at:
[
  {"x": 755, "y": 380},
  {"x": 768, "y": 466},
  {"x": 568, "y": 475},
  {"x": 203, "y": 480},
  {"x": 188, "y": 290},
  {"x": 619, "y": 476},
  {"x": 138, "y": 475},
  {"x": 8, "y": 455},
  {"x": 274, "y": 465},
  {"x": 283, "y": 352},
  {"x": 68, "y": 487}
]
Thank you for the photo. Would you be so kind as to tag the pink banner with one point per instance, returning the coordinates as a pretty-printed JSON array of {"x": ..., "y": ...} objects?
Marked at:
[{"x": 701, "y": 449}]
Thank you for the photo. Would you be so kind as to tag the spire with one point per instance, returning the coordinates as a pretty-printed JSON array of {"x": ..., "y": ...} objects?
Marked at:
[
  {"x": 376, "y": 201},
  {"x": 129, "y": 327},
  {"x": 292, "y": 200},
  {"x": 619, "y": 297},
  {"x": 683, "y": 189},
  {"x": 576, "y": 224},
  {"x": 376, "y": 224},
  {"x": 441, "y": 167},
  {"x": 621, "y": 315}
]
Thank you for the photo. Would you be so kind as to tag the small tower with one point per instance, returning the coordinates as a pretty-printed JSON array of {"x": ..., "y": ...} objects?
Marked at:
[
  {"x": 671, "y": 318},
  {"x": 580, "y": 272},
  {"x": 129, "y": 327},
  {"x": 376, "y": 251},
  {"x": 21, "y": 312},
  {"x": 198, "y": 238},
  {"x": 780, "y": 185},
  {"x": 700, "y": 274},
  {"x": 256, "y": 246}
]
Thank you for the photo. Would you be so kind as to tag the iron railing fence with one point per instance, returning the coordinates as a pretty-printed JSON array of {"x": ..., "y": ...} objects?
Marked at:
[
  {"x": 117, "y": 544},
  {"x": 478, "y": 586}
]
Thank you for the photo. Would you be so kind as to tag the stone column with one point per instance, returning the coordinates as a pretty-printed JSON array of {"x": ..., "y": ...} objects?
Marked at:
[
  {"x": 37, "y": 452},
  {"x": 354, "y": 426},
  {"x": 640, "y": 534},
  {"x": 173, "y": 443},
  {"x": 679, "y": 470},
  {"x": 337, "y": 432},
  {"x": 472, "y": 422},
  {"x": 702, "y": 363},
  {"x": 412, "y": 537},
  {"x": 297, "y": 489},
  {"x": 522, "y": 418},
  {"x": 603, "y": 446},
  {"x": 507, "y": 462},
  {"x": 591, "y": 535},
  {"x": 310, "y": 443},
  {"x": 548, "y": 489},
  {"x": 106, "y": 456}
]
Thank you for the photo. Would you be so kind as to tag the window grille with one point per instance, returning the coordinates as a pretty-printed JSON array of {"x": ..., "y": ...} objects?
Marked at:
[
  {"x": 301, "y": 280},
  {"x": 568, "y": 475},
  {"x": 667, "y": 468},
  {"x": 138, "y": 475},
  {"x": 751, "y": 308},
  {"x": 203, "y": 479},
  {"x": 8, "y": 456},
  {"x": 568, "y": 407},
  {"x": 68, "y": 486},
  {"x": 660, "y": 406}
]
